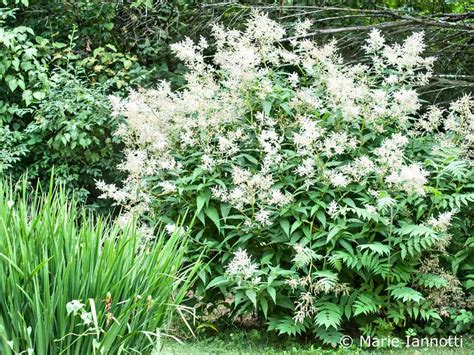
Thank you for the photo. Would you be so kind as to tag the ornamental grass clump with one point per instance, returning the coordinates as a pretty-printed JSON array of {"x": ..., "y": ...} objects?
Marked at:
[
  {"x": 321, "y": 189},
  {"x": 74, "y": 284}
]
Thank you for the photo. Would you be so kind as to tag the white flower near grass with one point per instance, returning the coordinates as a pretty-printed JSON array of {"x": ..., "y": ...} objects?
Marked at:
[
  {"x": 86, "y": 318},
  {"x": 74, "y": 307},
  {"x": 172, "y": 228}
]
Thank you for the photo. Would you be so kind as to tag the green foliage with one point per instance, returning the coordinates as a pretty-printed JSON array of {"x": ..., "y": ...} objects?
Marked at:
[
  {"x": 54, "y": 106},
  {"x": 72, "y": 283},
  {"x": 286, "y": 325},
  {"x": 23, "y": 70},
  {"x": 12, "y": 148},
  {"x": 60, "y": 59},
  {"x": 334, "y": 254},
  {"x": 72, "y": 131}
]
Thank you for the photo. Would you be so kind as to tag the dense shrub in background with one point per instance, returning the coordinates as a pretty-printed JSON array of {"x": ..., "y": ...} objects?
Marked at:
[
  {"x": 329, "y": 199},
  {"x": 121, "y": 40},
  {"x": 69, "y": 130},
  {"x": 23, "y": 70},
  {"x": 54, "y": 107},
  {"x": 73, "y": 284},
  {"x": 72, "y": 131}
]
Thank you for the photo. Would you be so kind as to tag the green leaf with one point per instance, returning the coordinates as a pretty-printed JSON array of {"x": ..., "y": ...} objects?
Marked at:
[
  {"x": 328, "y": 315},
  {"x": 250, "y": 159},
  {"x": 39, "y": 95},
  {"x": 414, "y": 230},
  {"x": 271, "y": 291},
  {"x": 252, "y": 296},
  {"x": 349, "y": 202},
  {"x": 432, "y": 281},
  {"x": 217, "y": 281},
  {"x": 285, "y": 225},
  {"x": 27, "y": 97},
  {"x": 225, "y": 209},
  {"x": 376, "y": 247},
  {"x": 12, "y": 83},
  {"x": 329, "y": 336},
  {"x": 366, "y": 303},
  {"x": 108, "y": 26},
  {"x": 201, "y": 200},
  {"x": 212, "y": 213},
  {"x": 405, "y": 294},
  {"x": 332, "y": 233},
  {"x": 321, "y": 217},
  {"x": 264, "y": 305},
  {"x": 295, "y": 226},
  {"x": 267, "y": 106}
]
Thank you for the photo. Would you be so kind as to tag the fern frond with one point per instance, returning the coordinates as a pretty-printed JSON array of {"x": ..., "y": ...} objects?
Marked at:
[
  {"x": 404, "y": 293},
  {"x": 366, "y": 303},
  {"x": 328, "y": 315},
  {"x": 431, "y": 281},
  {"x": 376, "y": 247}
]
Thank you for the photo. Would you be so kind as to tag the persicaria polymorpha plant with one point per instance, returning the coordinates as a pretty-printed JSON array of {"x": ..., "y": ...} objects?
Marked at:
[{"x": 318, "y": 187}]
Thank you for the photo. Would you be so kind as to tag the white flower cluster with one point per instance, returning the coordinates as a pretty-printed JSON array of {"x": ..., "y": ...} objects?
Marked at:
[
  {"x": 304, "y": 307},
  {"x": 227, "y": 119},
  {"x": 405, "y": 57},
  {"x": 442, "y": 223},
  {"x": 411, "y": 179},
  {"x": 242, "y": 268},
  {"x": 250, "y": 188},
  {"x": 460, "y": 120}
]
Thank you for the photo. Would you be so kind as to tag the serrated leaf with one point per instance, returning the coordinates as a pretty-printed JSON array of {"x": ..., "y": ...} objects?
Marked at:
[
  {"x": 329, "y": 336},
  {"x": 405, "y": 294},
  {"x": 376, "y": 247}
]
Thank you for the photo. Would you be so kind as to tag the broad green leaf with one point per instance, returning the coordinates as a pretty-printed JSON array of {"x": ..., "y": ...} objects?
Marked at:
[
  {"x": 212, "y": 213},
  {"x": 332, "y": 233},
  {"x": 285, "y": 225},
  {"x": 252, "y": 296},
  {"x": 321, "y": 217},
  {"x": 264, "y": 305},
  {"x": 271, "y": 291},
  {"x": 217, "y": 281}
]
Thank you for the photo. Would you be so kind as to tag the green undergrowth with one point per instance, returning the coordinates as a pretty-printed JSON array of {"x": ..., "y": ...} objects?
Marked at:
[{"x": 262, "y": 342}]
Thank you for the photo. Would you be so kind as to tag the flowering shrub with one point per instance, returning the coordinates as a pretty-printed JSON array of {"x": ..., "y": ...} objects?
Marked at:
[{"x": 324, "y": 198}]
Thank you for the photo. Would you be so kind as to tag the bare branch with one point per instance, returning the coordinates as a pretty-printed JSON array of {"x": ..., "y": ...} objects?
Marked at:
[{"x": 351, "y": 29}]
